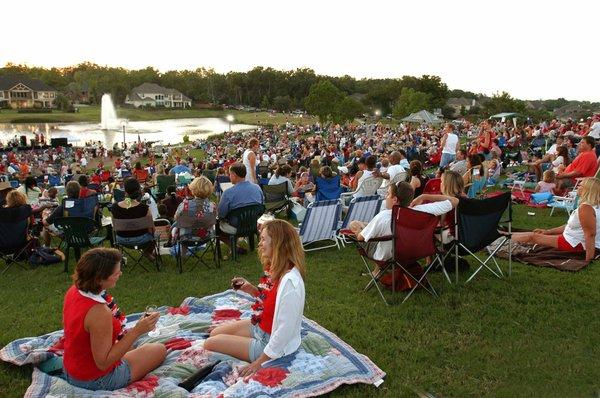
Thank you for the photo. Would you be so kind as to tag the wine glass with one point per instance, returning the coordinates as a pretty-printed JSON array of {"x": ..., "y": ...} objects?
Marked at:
[{"x": 150, "y": 309}]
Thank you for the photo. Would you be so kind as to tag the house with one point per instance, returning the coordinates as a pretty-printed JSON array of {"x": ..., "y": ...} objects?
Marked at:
[
  {"x": 461, "y": 103},
  {"x": 18, "y": 91},
  {"x": 151, "y": 94}
]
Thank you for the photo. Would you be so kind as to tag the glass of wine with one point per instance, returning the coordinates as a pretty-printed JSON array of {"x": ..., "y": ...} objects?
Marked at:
[{"x": 150, "y": 309}]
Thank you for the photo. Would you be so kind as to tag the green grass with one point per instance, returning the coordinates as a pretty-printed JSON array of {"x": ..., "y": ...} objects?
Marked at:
[
  {"x": 92, "y": 114},
  {"x": 535, "y": 334}
]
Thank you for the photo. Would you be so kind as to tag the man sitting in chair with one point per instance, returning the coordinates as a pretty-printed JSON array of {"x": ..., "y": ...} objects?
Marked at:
[
  {"x": 70, "y": 206},
  {"x": 584, "y": 165},
  {"x": 243, "y": 193},
  {"x": 381, "y": 225}
]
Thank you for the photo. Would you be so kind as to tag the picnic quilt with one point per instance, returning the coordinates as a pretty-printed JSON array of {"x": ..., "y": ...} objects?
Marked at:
[{"x": 322, "y": 363}]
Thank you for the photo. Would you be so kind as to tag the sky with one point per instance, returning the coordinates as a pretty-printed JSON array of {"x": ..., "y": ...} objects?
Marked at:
[{"x": 532, "y": 50}]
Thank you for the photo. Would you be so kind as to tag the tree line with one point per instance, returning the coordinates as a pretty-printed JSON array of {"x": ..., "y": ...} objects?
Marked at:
[{"x": 329, "y": 97}]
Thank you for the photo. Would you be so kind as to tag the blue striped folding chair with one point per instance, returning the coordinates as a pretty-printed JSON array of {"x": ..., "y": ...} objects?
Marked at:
[
  {"x": 360, "y": 209},
  {"x": 321, "y": 224}
]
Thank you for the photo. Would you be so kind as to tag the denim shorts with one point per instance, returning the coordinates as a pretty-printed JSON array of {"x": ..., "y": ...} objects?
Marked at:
[
  {"x": 120, "y": 377},
  {"x": 259, "y": 341},
  {"x": 135, "y": 240}
]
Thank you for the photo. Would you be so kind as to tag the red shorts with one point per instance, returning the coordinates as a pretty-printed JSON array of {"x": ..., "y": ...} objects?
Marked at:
[{"x": 565, "y": 246}]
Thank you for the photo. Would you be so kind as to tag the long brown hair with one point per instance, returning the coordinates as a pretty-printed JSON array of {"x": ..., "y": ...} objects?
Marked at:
[{"x": 286, "y": 249}]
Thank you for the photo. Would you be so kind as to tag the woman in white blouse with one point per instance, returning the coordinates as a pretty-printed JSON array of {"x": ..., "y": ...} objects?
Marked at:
[
  {"x": 274, "y": 329},
  {"x": 582, "y": 231}
]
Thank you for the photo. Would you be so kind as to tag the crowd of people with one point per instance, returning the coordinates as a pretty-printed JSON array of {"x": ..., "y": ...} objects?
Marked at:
[{"x": 43, "y": 185}]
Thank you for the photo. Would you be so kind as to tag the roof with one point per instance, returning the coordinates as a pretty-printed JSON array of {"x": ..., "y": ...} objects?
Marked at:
[
  {"x": 422, "y": 117},
  {"x": 504, "y": 114},
  {"x": 154, "y": 88},
  {"x": 462, "y": 101},
  {"x": 9, "y": 81}
]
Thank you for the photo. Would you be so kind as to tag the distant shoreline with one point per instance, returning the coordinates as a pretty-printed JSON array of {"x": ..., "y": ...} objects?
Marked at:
[{"x": 92, "y": 114}]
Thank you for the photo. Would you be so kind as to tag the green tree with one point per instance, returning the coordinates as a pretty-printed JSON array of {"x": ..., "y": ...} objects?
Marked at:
[
  {"x": 62, "y": 102},
  {"x": 264, "y": 103},
  {"x": 502, "y": 103},
  {"x": 410, "y": 101},
  {"x": 282, "y": 103},
  {"x": 322, "y": 100},
  {"x": 346, "y": 110}
]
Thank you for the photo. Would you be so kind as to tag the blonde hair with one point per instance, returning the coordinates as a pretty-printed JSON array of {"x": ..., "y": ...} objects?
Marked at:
[
  {"x": 286, "y": 249},
  {"x": 201, "y": 187},
  {"x": 590, "y": 194},
  {"x": 548, "y": 176},
  {"x": 453, "y": 183},
  {"x": 15, "y": 199}
]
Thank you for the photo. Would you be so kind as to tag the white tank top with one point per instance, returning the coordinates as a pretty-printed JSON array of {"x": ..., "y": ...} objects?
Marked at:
[
  {"x": 246, "y": 162},
  {"x": 450, "y": 144},
  {"x": 366, "y": 174},
  {"x": 573, "y": 232}
]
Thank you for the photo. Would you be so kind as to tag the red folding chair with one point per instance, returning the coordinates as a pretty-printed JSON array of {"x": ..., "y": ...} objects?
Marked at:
[{"x": 413, "y": 239}]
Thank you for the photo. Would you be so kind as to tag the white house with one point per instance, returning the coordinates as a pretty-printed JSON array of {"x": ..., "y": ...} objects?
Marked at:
[{"x": 151, "y": 94}]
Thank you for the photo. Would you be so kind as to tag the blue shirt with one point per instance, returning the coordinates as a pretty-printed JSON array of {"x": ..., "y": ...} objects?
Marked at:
[{"x": 242, "y": 194}]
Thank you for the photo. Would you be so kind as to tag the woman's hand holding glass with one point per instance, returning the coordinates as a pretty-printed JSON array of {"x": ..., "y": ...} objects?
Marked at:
[
  {"x": 148, "y": 321},
  {"x": 239, "y": 283}
]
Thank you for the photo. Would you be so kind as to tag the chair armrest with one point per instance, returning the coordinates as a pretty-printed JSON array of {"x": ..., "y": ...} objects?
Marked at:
[{"x": 381, "y": 238}]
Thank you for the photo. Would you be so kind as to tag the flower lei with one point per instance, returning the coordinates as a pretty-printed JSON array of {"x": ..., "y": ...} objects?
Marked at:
[
  {"x": 265, "y": 284},
  {"x": 116, "y": 313}
]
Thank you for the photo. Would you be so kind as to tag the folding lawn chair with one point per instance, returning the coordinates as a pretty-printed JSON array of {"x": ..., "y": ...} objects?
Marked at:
[
  {"x": 320, "y": 224},
  {"x": 14, "y": 229},
  {"x": 135, "y": 224},
  {"x": 246, "y": 226},
  {"x": 276, "y": 197},
  {"x": 476, "y": 187},
  {"x": 360, "y": 209},
  {"x": 476, "y": 226},
  {"x": 367, "y": 187},
  {"x": 211, "y": 174},
  {"x": 197, "y": 247},
  {"x": 328, "y": 188},
  {"x": 382, "y": 191},
  {"x": 162, "y": 183},
  {"x": 567, "y": 203},
  {"x": 413, "y": 239},
  {"x": 76, "y": 234}
]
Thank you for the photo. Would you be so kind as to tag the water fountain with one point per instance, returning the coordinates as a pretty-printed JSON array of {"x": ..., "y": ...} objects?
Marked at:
[{"x": 108, "y": 114}]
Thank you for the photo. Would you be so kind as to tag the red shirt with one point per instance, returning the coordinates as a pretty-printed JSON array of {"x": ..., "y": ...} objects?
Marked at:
[
  {"x": 266, "y": 320},
  {"x": 84, "y": 192},
  {"x": 586, "y": 163},
  {"x": 78, "y": 360}
]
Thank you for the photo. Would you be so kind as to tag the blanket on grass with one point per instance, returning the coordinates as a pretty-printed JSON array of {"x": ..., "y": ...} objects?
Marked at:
[
  {"x": 322, "y": 363},
  {"x": 542, "y": 256}
]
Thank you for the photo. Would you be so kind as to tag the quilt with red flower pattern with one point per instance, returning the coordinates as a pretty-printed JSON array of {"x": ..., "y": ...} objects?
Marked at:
[{"x": 322, "y": 363}]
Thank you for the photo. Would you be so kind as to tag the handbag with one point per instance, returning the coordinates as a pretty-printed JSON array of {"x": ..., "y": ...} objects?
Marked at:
[{"x": 45, "y": 256}]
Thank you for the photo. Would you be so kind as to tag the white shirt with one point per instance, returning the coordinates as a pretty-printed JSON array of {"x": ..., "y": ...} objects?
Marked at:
[
  {"x": 392, "y": 171},
  {"x": 595, "y": 130},
  {"x": 552, "y": 150},
  {"x": 573, "y": 232},
  {"x": 450, "y": 144},
  {"x": 557, "y": 162},
  {"x": 287, "y": 320},
  {"x": 381, "y": 225},
  {"x": 246, "y": 161}
]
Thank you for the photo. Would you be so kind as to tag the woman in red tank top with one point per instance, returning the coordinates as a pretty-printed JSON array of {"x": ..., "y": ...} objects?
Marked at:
[
  {"x": 97, "y": 352},
  {"x": 278, "y": 307}
]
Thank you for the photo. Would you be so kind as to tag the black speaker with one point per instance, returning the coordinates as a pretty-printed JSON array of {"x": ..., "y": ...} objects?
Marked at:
[
  {"x": 23, "y": 140},
  {"x": 56, "y": 142}
]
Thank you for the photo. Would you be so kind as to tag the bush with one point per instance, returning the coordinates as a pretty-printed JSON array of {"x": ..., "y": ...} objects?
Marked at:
[
  {"x": 35, "y": 110},
  {"x": 186, "y": 139}
]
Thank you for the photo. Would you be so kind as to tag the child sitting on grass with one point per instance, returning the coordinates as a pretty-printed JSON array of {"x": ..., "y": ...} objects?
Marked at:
[{"x": 547, "y": 184}]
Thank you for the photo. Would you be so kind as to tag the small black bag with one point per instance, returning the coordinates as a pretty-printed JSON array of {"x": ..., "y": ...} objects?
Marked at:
[{"x": 44, "y": 256}]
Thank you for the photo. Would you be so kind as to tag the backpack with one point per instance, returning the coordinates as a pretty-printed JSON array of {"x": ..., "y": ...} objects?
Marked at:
[
  {"x": 403, "y": 281},
  {"x": 45, "y": 256}
]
